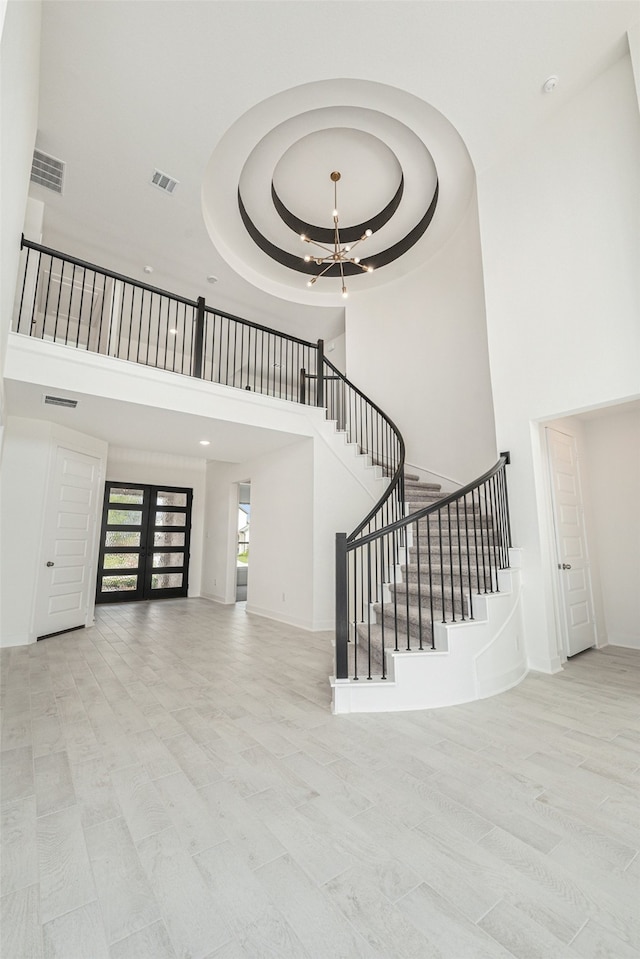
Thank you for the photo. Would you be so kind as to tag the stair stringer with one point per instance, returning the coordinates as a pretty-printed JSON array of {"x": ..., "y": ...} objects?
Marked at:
[{"x": 473, "y": 660}]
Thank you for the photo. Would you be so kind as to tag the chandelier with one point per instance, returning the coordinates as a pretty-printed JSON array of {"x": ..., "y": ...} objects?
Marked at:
[{"x": 340, "y": 254}]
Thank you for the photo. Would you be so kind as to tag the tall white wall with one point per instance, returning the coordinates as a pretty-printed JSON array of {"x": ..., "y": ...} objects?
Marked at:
[
  {"x": 19, "y": 79},
  {"x": 156, "y": 469},
  {"x": 560, "y": 231},
  {"x": 418, "y": 348},
  {"x": 612, "y": 459}
]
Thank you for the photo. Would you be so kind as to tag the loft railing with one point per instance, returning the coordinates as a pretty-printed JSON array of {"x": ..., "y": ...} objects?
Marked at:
[
  {"x": 394, "y": 584},
  {"x": 68, "y": 301}
]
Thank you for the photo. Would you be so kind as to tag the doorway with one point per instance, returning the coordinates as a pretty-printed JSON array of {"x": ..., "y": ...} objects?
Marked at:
[
  {"x": 144, "y": 543},
  {"x": 242, "y": 551}
]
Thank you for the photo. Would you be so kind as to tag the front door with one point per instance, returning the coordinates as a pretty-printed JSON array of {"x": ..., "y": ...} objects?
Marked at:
[
  {"x": 65, "y": 582},
  {"x": 571, "y": 542},
  {"x": 144, "y": 544}
]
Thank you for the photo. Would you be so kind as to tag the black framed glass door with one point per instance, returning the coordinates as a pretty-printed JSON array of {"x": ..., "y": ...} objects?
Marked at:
[{"x": 144, "y": 543}]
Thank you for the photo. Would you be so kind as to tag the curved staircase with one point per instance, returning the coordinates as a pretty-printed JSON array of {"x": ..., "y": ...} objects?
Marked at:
[{"x": 433, "y": 603}]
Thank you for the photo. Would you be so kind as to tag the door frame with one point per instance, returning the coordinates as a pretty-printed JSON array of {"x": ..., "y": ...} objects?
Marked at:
[{"x": 147, "y": 508}]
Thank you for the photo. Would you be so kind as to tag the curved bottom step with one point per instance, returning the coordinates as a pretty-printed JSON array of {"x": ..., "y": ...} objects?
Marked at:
[{"x": 472, "y": 660}]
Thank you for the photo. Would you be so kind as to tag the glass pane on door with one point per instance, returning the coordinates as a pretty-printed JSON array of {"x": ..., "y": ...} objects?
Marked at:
[
  {"x": 117, "y": 584},
  {"x": 124, "y": 517},
  {"x": 121, "y": 494},
  {"x": 166, "y": 580},
  {"x": 168, "y": 539},
  {"x": 170, "y": 519}
]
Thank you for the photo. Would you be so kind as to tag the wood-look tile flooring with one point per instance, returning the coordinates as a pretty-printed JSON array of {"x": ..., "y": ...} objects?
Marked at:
[{"x": 174, "y": 785}]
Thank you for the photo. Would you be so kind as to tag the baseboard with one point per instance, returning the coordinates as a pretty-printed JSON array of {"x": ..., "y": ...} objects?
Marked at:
[
  {"x": 626, "y": 641},
  {"x": 278, "y": 617},
  {"x": 17, "y": 639},
  {"x": 216, "y": 599},
  {"x": 553, "y": 665}
]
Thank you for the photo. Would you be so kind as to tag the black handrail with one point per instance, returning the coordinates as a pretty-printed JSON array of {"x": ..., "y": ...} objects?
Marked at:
[
  {"x": 434, "y": 507},
  {"x": 397, "y": 478},
  {"x": 394, "y": 584},
  {"x": 74, "y": 302}
]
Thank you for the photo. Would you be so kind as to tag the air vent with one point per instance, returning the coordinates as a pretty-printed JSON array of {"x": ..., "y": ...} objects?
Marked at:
[
  {"x": 164, "y": 182},
  {"x": 47, "y": 171},
  {"x": 60, "y": 401}
]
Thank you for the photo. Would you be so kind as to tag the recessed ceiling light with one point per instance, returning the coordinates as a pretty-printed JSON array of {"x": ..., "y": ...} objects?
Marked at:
[
  {"x": 205, "y": 442},
  {"x": 212, "y": 279},
  {"x": 148, "y": 269},
  {"x": 550, "y": 84}
]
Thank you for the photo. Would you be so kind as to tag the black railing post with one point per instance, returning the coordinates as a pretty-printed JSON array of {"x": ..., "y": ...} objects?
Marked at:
[
  {"x": 320, "y": 371},
  {"x": 198, "y": 339},
  {"x": 302, "y": 398},
  {"x": 342, "y": 608}
]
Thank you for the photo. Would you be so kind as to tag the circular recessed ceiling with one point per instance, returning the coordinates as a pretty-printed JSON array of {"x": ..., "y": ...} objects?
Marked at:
[
  {"x": 404, "y": 174},
  {"x": 369, "y": 170}
]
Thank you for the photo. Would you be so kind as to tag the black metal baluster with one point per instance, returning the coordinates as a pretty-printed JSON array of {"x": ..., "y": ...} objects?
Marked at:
[
  {"x": 24, "y": 285},
  {"x": 55, "y": 329},
  {"x": 468, "y": 549},
  {"x": 429, "y": 555},
  {"x": 418, "y": 579},
  {"x": 462, "y": 604},
  {"x": 84, "y": 274},
  {"x": 492, "y": 532},
  {"x": 102, "y": 303},
  {"x": 73, "y": 284},
  {"x": 369, "y": 611}
]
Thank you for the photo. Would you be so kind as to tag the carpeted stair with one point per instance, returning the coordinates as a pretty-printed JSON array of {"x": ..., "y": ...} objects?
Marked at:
[{"x": 448, "y": 568}]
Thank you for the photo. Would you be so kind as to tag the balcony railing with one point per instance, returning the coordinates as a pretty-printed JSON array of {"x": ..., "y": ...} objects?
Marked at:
[{"x": 66, "y": 300}]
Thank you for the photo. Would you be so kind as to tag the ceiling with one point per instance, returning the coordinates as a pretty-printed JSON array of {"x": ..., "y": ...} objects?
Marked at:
[
  {"x": 229, "y": 95},
  {"x": 139, "y": 427},
  {"x": 202, "y": 90}
]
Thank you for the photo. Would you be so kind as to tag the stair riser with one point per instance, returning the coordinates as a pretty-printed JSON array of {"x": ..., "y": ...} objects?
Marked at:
[
  {"x": 412, "y": 633},
  {"x": 478, "y": 582},
  {"x": 450, "y": 604}
]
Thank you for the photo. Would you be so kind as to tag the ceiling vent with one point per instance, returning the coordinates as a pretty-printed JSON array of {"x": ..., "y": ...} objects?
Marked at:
[
  {"x": 47, "y": 171},
  {"x": 163, "y": 181},
  {"x": 60, "y": 401}
]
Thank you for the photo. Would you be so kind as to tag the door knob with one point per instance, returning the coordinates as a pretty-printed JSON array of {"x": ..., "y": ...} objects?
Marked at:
[
  {"x": 564, "y": 565},
  {"x": 49, "y": 563}
]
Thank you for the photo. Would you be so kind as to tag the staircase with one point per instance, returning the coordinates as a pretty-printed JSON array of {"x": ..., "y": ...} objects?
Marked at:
[{"x": 434, "y": 606}]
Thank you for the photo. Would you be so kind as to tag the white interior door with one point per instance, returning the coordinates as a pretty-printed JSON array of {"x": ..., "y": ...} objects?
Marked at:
[
  {"x": 67, "y": 563},
  {"x": 571, "y": 544}
]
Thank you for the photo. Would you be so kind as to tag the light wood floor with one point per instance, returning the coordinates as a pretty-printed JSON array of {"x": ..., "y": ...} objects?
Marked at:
[{"x": 174, "y": 785}]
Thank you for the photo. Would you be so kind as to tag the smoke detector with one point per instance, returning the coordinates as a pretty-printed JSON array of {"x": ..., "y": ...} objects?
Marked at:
[
  {"x": 47, "y": 171},
  {"x": 163, "y": 181}
]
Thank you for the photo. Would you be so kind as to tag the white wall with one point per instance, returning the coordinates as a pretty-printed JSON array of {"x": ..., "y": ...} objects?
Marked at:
[
  {"x": 612, "y": 459},
  {"x": 560, "y": 233},
  {"x": 156, "y": 469},
  {"x": 19, "y": 79},
  {"x": 418, "y": 348},
  {"x": 301, "y": 495},
  {"x": 23, "y": 490},
  {"x": 280, "y": 583}
]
